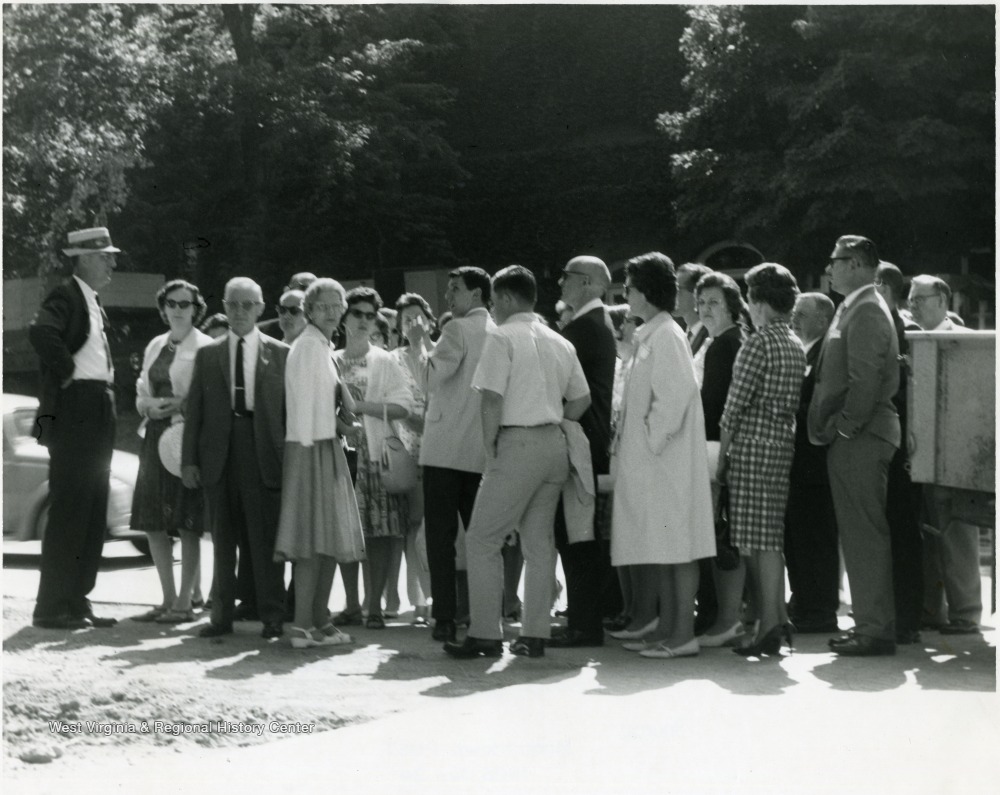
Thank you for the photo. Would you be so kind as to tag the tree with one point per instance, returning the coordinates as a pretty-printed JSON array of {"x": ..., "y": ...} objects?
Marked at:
[{"x": 807, "y": 123}]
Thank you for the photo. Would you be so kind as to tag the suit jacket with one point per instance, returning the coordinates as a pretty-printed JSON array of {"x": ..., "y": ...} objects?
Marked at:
[
  {"x": 208, "y": 421},
  {"x": 453, "y": 431},
  {"x": 809, "y": 464},
  {"x": 594, "y": 339},
  {"x": 59, "y": 329},
  {"x": 857, "y": 375}
]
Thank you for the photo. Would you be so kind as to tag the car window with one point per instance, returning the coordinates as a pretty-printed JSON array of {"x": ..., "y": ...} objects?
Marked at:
[{"x": 23, "y": 425}]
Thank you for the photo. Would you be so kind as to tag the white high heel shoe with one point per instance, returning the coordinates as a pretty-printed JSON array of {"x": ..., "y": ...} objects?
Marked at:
[{"x": 735, "y": 632}]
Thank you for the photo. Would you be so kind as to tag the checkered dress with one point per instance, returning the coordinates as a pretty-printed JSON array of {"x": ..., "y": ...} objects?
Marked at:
[{"x": 760, "y": 416}]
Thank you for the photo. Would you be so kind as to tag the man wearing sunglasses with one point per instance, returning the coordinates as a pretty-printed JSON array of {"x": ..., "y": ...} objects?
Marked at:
[{"x": 289, "y": 323}]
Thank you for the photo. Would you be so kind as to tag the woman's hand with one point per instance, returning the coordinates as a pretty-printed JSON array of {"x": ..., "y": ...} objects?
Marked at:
[{"x": 165, "y": 407}]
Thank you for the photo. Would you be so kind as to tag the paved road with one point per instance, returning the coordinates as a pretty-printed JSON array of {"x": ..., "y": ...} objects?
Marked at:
[{"x": 604, "y": 721}]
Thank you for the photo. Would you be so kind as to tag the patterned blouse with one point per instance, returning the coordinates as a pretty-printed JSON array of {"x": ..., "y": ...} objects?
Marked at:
[
  {"x": 764, "y": 393},
  {"x": 409, "y": 437}
]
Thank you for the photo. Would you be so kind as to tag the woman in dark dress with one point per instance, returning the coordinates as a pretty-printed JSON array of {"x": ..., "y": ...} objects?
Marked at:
[{"x": 161, "y": 505}]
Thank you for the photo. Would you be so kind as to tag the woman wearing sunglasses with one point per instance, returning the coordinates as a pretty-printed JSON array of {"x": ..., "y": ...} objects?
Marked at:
[
  {"x": 161, "y": 505},
  {"x": 379, "y": 389}
]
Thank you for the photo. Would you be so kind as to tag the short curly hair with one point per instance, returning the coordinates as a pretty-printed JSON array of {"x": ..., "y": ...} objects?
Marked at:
[
  {"x": 772, "y": 284},
  {"x": 200, "y": 307},
  {"x": 408, "y": 300},
  {"x": 364, "y": 295},
  {"x": 654, "y": 276}
]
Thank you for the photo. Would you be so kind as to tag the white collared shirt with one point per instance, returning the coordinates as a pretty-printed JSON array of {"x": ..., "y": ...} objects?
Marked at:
[
  {"x": 91, "y": 362},
  {"x": 593, "y": 303},
  {"x": 251, "y": 347}
]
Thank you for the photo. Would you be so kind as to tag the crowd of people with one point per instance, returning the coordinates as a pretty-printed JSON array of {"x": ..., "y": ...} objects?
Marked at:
[{"x": 680, "y": 453}]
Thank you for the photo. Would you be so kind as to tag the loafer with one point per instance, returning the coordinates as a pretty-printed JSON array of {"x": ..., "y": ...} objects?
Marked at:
[
  {"x": 245, "y": 612},
  {"x": 215, "y": 630},
  {"x": 864, "y": 646},
  {"x": 348, "y": 618},
  {"x": 528, "y": 647},
  {"x": 574, "y": 639},
  {"x": 474, "y": 647},
  {"x": 444, "y": 630},
  {"x": 100, "y": 622},
  {"x": 960, "y": 628},
  {"x": 60, "y": 622},
  {"x": 272, "y": 630}
]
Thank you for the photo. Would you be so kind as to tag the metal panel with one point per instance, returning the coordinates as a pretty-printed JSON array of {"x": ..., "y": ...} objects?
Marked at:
[{"x": 952, "y": 409}]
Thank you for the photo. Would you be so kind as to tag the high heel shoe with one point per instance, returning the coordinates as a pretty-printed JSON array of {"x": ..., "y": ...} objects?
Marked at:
[
  {"x": 769, "y": 643},
  {"x": 635, "y": 634},
  {"x": 735, "y": 632}
]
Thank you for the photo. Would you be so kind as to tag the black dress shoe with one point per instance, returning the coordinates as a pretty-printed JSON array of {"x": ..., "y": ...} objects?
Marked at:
[
  {"x": 100, "y": 622},
  {"x": 905, "y": 637},
  {"x": 215, "y": 630},
  {"x": 528, "y": 647},
  {"x": 574, "y": 639},
  {"x": 474, "y": 647},
  {"x": 271, "y": 630},
  {"x": 960, "y": 627},
  {"x": 444, "y": 630},
  {"x": 60, "y": 622},
  {"x": 864, "y": 646},
  {"x": 245, "y": 612}
]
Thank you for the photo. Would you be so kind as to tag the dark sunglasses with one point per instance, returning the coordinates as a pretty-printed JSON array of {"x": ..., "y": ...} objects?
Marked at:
[
  {"x": 359, "y": 314},
  {"x": 172, "y": 304},
  {"x": 294, "y": 311}
]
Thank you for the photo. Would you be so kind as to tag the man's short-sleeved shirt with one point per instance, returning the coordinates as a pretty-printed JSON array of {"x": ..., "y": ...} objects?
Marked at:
[{"x": 533, "y": 368}]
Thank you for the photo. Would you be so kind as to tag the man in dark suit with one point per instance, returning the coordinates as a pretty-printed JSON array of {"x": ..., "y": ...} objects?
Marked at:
[
  {"x": 590, "y": 578},
  {"x": 811, "y": 551},
  {"x": 234, "y": 435},
  {"x": 76, "y": 421},
  {"x": 852, "y": 412}
]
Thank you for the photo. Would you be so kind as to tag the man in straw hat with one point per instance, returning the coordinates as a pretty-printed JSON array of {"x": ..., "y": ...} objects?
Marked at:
[{"x": 76, "y": 421}]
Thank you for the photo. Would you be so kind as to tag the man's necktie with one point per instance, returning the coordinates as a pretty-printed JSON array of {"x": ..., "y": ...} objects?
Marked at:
[
  {"x": 240, "y": 393},
  {"x": 104, "y": 335}
]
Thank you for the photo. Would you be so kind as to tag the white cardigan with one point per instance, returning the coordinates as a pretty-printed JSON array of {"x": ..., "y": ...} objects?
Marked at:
[
  {"x": 181, "y": 371},
  {"x": 386, "y": 384},
  {"x": 310, "y": 386}
]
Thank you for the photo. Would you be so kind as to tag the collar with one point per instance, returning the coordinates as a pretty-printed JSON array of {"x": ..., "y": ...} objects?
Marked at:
[
  {"x": 695, "y": 328},
  {"x": 475, "y": 311},
  {"x": 520, "y": 317},
  {"x": 944, "y": 325},
  {"x": 591, "y": 305},
  {"x": 251, "y": 336},
  {"x": 88, "y": 292},
  {"x": 646, "y": 329},
  {"x": 808, "y": 346},
  {"x": 853, "y": 296}
]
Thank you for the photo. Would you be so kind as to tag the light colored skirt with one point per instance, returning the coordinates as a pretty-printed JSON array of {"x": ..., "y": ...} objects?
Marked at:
[{"x": 319, "y": 512}]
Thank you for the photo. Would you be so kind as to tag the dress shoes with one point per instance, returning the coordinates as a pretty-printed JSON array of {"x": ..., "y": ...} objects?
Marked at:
[
  {"x": 61, "y": 622},
  {"x": 474, "y": 647},
  {"x": 271, "y": 630},
  {"x": 245, "y": 612},
  {"x": 574, "y": 639},
  {"x": 863, "y": 646},
  {"x": 960, "y": 627},
  {"x": 98, "y": 621},
  {"x": 727, "y": 638},
  {"x": 528, "y": 647},
  {"x": 444, "y": 630},
  {"x": 215, "y": 630},
  {"x": 905, "y": 637}
]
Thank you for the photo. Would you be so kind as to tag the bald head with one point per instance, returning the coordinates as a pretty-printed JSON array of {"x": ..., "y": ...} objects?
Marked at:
[
  {"x": 584, "y": 279},
  {"x": 811, "y": 316}
]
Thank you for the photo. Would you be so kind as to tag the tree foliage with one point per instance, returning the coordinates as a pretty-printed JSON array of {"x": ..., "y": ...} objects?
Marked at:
[{"x": 806, "y": 123}]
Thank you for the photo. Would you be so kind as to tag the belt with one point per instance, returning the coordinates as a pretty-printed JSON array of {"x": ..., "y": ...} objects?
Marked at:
[
  {"x": 93, "y": 383},
  {"x": 243, "y": 415}
]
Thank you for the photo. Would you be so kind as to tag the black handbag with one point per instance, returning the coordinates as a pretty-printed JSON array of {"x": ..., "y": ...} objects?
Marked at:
[{"x": 727, "y": 556}]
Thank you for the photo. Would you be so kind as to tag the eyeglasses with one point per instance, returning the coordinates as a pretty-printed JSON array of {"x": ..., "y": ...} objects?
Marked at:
[
  {"x": 834, "y": 259},
  {"x": 246, "y": 306},
  {"x": 172, "y": 304},
  {"x": 919, "y": 299},
  {"x": 322, "y": 307},
  {"x": 294, "y": 311},
  {"x": 360, "y": 314}
]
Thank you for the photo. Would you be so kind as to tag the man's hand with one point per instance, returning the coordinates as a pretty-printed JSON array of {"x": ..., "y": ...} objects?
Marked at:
[{"x": 191, "y": 477}]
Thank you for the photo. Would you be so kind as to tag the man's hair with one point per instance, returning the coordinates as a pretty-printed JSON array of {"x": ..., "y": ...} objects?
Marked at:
[
  {"x": 862, "y": 248},
  {"x": 892, "y": 277},
  {"x": 939, "y": 286},
  {"x": 730, "y": 292},
  {"x": 772, "y": 284},
  {"x": 472, "y": 278},
  {"x": 518, "y": 281},
  {"x": 244, "y": 282},
  {"x": 654, "y": 276},
  {"x": 822, "y": 303},
  {"x": 690, "y": 273}
]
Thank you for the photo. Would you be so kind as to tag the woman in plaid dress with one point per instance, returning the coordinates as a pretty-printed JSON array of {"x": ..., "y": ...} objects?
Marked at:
[{"x": 758, "y": 440}]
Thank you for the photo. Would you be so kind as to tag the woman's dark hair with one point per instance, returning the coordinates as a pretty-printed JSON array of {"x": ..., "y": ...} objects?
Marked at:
[
  {"x": 654, "y": 276},
  {"x": 408, "y": 300},
  {"x": 772, "y": 284},
  {"x": 518, "y": 281},
  {"x": 472, "y": 278},
  {"x": 180, "y": 284},
  {"x": 361, "y": 295},
  {"x": 382, "y": 327},
  {"x": 618, "y": 313},
  {"x": 730, "y": 291},
  {"x": 212, "y": 322}
]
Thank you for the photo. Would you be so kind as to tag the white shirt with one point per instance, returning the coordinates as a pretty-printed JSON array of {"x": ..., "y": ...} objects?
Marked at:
[
  {"x": 91, "y": 362},
  {"x": 593, "y": 303},
  {"x": 533, "y": 368},
  {"x": 310, "y": 384},
  {"x": 251, "y": 347}
]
